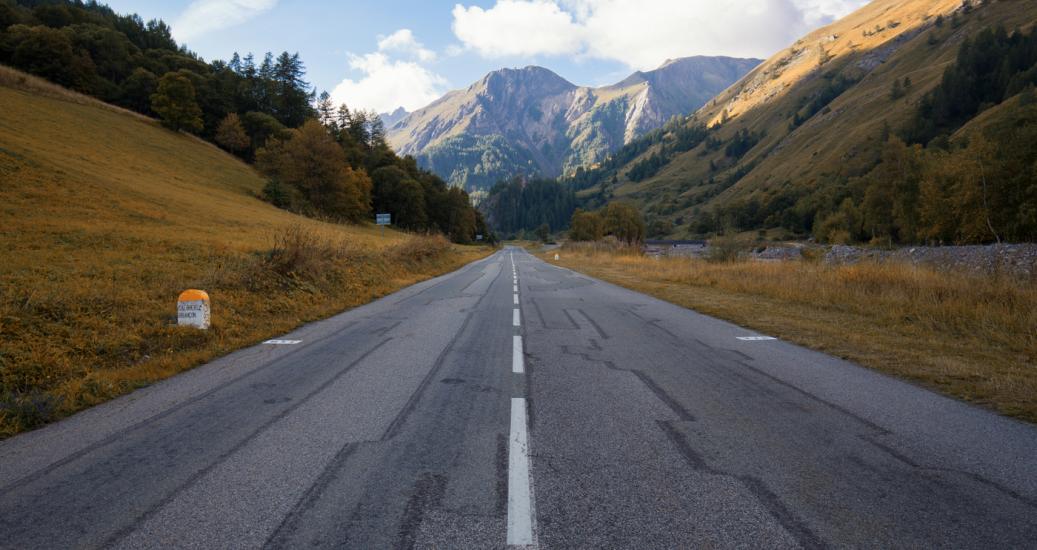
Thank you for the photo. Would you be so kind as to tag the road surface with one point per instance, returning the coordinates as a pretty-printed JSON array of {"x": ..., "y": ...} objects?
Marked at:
[{"x": 515, "y": 403}]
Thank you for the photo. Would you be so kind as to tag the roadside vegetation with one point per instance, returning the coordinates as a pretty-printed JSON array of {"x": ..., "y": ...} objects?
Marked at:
[
  {"x": 107, "y": 214},
  {"x": 102, "y": 227},
  {"x": 970, "y": 336},
  {"x": 619, "y": 221}
]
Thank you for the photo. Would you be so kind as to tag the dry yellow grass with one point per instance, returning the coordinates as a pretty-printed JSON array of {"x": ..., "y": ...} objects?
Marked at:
[
  {"x": 105, "y": 217},
  {"x": 873, "y": 26},
  {"x": 972, "y": 337},
  {"x": 15, "y": 79}
]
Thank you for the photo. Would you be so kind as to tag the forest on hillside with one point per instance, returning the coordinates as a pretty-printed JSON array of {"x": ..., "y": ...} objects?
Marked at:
[
  {"x": 520, "y": 205},
  {"x": 477, "y": 163},
  {"x": 322, "y": 160},
  {"x": 919, "y": 181},
  {"x": 924, "y": 183}
]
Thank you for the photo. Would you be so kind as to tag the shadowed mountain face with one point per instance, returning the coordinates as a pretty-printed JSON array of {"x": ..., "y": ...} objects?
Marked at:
[{"x": 532, "y": 121}]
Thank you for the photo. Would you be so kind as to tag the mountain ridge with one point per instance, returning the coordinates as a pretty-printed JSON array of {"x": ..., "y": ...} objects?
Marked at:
[
  {"x": 390, "y": 119},
  {"x": 530, "y": 120},
  {"x": 793, "y": 147}
]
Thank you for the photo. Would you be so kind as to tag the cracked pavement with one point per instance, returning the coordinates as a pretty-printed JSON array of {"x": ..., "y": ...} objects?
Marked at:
[{"x": 649, "y": 426}]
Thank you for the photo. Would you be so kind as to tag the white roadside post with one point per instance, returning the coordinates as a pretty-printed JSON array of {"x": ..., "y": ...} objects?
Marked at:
[{"x": 192, "y": 309}]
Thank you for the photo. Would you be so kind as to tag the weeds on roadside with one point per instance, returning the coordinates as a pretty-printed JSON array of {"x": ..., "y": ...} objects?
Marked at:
[
  {"x": 970, "y": 335},
  {"x": 726, "y": 249},
  {"x": 64, "y": 351},
  {"x": 609, "y": 246}
]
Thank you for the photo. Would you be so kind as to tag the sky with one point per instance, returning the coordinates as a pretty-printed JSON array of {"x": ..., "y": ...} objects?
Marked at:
[{"x": 380, "y": 55}]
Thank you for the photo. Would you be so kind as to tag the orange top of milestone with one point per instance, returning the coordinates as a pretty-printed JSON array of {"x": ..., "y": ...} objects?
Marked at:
[{"x": 192, "y": 295}]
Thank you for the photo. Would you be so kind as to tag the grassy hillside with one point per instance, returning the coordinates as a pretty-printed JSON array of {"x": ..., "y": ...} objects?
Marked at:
[
  {"x": 105, "y": 217},
  {"x": 815, "y": 115}
]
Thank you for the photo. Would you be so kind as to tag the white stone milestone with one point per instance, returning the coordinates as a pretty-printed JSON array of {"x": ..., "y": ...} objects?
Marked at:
[{"x": 192, "y": 309}]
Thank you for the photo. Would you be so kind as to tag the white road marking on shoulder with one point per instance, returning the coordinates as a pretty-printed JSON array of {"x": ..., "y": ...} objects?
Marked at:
[
  {"x": 515, "y": 317},
  {"x": 515, "y": 296},
  {"x": 514, "y": 288},
  {"x": 282, "y": 342},
  {"x": 517, "y": 361},
  {"x": 520, "y": 497},
  {"x": 755, "y": 338}
]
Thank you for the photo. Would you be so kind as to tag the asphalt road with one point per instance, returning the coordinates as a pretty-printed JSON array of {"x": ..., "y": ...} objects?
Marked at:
[{"x": 516, "y": 403}]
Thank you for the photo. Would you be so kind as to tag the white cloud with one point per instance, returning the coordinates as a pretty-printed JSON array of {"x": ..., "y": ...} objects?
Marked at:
[
  {"x": 739, "y": 28},
  {"x": 822, "y": 12},
  {"x": 204, "y": 16},
  {"x": 641, "y": 33},
  {"x": 454, "y": 50},
  {"x": 403, "y": 41},
  {"x": 517, "y": 27},
  {"x": 388, "y": 83}
]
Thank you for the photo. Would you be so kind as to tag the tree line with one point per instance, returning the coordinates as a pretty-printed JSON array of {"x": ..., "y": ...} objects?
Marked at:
[
  {"x": 121, "y": 59},
  {"x": 977, "y": 188},
  {"x": 980, "y": 190},
  {"x": 521, "y": 205},
  {"x": 321, "y": 159},
  {"x": 619, "y": 220},
  {"x": 989, "y": 69}
]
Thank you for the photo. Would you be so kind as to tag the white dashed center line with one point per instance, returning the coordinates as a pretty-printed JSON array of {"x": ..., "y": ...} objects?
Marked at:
[
  {"x": 517, "y": 361},
  {"x": 520, "y": 501},
  {"x": 520, "y": 491}
]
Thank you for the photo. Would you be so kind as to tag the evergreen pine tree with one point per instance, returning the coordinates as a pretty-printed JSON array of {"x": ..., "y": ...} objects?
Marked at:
[
  {"x": 376, "y": 130},
  {"x": 326, "y": 111},
  {"x": 235, "y": 63},
  {"x": 263, "y": 91},
  {"x": 291, "y": 101},
  {"x": 344, "y": 117},
  {"x": 897, "y": 91}
]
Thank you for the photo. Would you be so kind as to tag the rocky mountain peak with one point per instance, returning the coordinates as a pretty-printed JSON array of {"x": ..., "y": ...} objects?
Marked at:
[
  {"x": 530, "y": 120},
  {"x": 530, "y": 80},
  {"x": 391, "y": 119}
]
